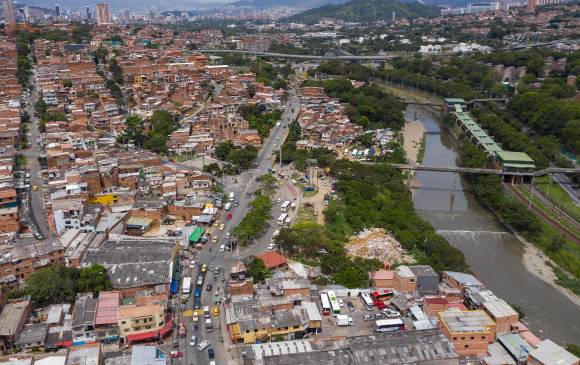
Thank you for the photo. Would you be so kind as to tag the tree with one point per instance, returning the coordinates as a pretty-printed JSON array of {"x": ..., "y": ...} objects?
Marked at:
[
  {"x": 257, "y": 269},
  {"x": 571, "y": 135},
  {"x": 223, "y": 149},
  {"x": 268, "y": 182},
  {"x": 58, "y": 283},
  {"x": 94, "y": 279},
  {"x": 116, "y": 71},
  {"x": 251, "y": 90}
]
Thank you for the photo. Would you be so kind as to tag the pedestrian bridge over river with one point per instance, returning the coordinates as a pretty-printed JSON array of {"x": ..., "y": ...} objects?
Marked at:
[{"x": 468, "y": 170}]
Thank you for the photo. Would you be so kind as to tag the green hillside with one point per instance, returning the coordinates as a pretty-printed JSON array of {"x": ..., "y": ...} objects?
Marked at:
[{"x": 366, "y": 11}]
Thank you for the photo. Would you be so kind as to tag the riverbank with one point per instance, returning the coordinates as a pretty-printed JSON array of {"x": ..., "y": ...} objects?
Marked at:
[
  {"x": 536, "y": 261},
  {"x": 413, "y": 138}
]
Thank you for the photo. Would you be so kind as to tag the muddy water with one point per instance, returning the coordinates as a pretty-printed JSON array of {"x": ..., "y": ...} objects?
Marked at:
[{"x": 495, "y": 255}]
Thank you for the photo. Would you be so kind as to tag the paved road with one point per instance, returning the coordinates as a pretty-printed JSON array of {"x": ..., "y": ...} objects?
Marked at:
[
  {"x": 37, "y": 207},
  {"x": 240, "y": 185}
]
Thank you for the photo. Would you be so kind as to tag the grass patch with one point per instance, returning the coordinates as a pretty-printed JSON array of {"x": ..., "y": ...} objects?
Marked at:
[
  {"x": 305, "y": 214},
  {"x": 552, "y": 214},
  {"x": 557, "y": 195},
  {"x": 565, "y": 280},
  {"x": 421, "y": 153}
]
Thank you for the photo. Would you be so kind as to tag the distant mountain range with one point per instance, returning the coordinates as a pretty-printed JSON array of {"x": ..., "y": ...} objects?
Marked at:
[{"x": 367, "y": 11}]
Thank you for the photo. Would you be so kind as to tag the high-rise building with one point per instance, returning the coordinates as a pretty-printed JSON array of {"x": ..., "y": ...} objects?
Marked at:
[
  {"x": 87, "y": 12},
  {"x": 103, "y": 14},
  {"x": 57, "y": 10},
  {"x": 532, "y": 5},
  {"x": 9, "y": 17}
]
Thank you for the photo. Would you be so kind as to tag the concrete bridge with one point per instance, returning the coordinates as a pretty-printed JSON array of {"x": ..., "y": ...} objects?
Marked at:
[
  {"x": 381, "y": 57},
  {"x": 469, "y": 170}
]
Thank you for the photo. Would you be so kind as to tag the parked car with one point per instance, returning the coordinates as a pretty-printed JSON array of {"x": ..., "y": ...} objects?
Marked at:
[
  {"x": 271, "y": 246},
  {"x": 192, "y": 264},
  {"x": 379, "y": 316},
  {"x": 391, "y": 313},
  {"x": 222, "y": 248},
  {"x": 368, "y": 317},
  {"x": 203, "y": 345},
  {"x": 222, "y": 226},
  {"x": 193, "y": 341},
  {"x": 176, "y": 354},
  {"x": 210, "y": 353},
  {"x": 340, "y": 302},
  {"x": 208, "y": 287}
]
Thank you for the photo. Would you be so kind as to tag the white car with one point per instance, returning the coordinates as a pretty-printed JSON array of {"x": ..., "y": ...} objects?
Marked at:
[
  {"x": 340, "y": 302},
  {"x": 193, "y": 341},
  {"x": 390, "y": 313},
  {"x": 271, "y": 246},
  {"x": 222, "y": 248},
  {"x": 227, "y": 236},
  {"x": 192, "y": 264},
  {"x": 203, "y": 345},
  {"x": 279, "y": 200}
]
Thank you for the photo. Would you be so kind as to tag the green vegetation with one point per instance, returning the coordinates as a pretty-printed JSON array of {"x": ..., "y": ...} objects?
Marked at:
[
  {"x": 314, "y": 244},
  {"x": 573, "y": 349},
  {"x": 153, "y": 134},
  {"x": 368, "y": 106},
  {"x": 421, "y": 153},
  {"x": 116, "y": 71},
  {"x": 257, "y": 269},
  {"x": 255, "y": 220},
  {"x": 258, "y": 118},
  {"x": 235, "y": 158},
  {"x": 557, "y": 195},
  {"x": 490, "y": 193},
  {"x": 58, "y": 283},
  {"x": 366, "y": 11},
  {"x": 268, "y": 183},
  {"x": 554, "y": 214},
  {"x": 368, "y": 196},
  {"x": 290, "y": 154}
]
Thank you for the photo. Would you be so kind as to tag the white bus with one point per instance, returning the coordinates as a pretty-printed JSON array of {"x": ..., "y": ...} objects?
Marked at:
[
  {"x": 186, "y": 286},
  {"x": 325, "y": 304},
  {"x": 389, "y": 325},
  {"x": 333, "y": 302},
  {"x": 285, "y": 206},
  {"x": 367, "y": 301},
  {"x": 282, "y": 218}
]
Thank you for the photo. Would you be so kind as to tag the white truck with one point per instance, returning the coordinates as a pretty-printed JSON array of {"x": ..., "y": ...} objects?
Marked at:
[
  {"x": 186, "y": 287},
  {"x": 228, "y": 206},
  {"x": 343, "y": 320}
]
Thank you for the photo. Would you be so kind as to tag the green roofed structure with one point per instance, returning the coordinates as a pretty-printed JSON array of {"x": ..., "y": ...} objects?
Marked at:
[
  {"x": 195, "y": 236},
  {"x": 508, "y": 161}
]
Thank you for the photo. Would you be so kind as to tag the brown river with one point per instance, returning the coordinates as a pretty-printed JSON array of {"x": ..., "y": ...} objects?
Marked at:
[{"x": 494, "y": 254}]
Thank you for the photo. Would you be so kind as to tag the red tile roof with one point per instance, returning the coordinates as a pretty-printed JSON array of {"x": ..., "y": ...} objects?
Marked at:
[
  {"x": 107, "y": 307},
  {"x": 273, "y": 259}
]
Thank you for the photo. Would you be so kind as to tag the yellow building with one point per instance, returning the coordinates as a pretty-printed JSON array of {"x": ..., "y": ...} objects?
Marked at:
[
  {"x": 104, "y": 199},
  {"x": 263, "y": 327},
  {"x": 142, "y": 322}
]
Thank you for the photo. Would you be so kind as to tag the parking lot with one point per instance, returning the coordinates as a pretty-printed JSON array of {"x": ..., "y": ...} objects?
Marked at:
[{"x": 359, "y": 326}]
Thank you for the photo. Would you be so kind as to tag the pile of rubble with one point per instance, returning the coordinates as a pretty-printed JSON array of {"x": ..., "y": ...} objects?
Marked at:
[{"x": 375, "y": 243}]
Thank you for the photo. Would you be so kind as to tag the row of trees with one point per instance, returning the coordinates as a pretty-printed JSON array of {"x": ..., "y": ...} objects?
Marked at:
[
  {"x": 152, "y": 134},
  {"x": 58, "y": 283},
  {"x": 255, "y": 220}
]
